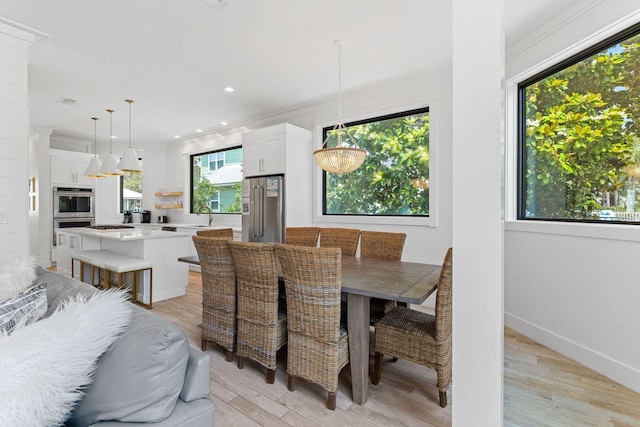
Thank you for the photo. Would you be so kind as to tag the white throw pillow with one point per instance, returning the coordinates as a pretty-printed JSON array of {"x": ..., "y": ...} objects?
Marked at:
[
  {"x": 16, "y": 275},
  {"x": 44, "y": 366}
]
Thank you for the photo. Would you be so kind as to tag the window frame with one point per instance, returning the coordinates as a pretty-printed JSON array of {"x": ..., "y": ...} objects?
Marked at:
[
  {"x": 517, "y": 87},
  {"x": 190, "y": 163},
  {"x": 435, "y": 105},
  {"x": 121, "y": 189}
]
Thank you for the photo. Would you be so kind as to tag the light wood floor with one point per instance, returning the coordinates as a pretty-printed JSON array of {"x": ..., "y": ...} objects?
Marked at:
[{"x": 541, "y": 388}]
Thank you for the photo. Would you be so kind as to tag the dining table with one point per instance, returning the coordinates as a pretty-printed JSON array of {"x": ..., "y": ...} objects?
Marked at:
[{"x": 362, "y": 279}]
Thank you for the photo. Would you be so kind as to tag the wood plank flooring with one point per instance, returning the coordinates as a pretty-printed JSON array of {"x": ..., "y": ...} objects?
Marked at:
[{"x": 541, "y": 388}]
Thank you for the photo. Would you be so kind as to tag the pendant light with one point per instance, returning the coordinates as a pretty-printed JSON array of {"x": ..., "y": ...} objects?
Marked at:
[
  {"x": 110, "y": 164},
  {"x": 93, "y": 170},
  {"x": 344, "y": 157},
  {"x": 129, "y": 161}
]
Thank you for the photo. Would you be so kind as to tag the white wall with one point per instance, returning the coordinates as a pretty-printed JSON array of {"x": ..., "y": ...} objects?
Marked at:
[
  {"x": 40, "y": 220},
  {"x": 573, "y": 287},
  {"x": 14, "y": 140}
]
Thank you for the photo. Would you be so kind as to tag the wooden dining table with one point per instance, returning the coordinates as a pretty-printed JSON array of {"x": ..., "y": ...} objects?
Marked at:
[{"x": 363, "y": 278}]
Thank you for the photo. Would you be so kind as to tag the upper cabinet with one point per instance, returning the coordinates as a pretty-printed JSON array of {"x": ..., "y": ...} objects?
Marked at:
[
  {"x": 271, "y": 150},
  {"x": 67, "y": 168},
  {"x": 263, "y": 155}
]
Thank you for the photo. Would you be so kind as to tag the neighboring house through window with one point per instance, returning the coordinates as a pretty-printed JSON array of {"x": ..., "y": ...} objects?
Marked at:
[{"x": 216, "y": 179}]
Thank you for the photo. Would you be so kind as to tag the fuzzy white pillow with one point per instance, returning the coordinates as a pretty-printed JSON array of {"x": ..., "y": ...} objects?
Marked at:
[
  {"x": 44, "y": 366},
  {"x": 16, "y": 275}
]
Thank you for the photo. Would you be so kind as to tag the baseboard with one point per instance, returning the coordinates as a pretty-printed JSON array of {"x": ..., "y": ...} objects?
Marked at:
[{"x": 610, "y": 368}]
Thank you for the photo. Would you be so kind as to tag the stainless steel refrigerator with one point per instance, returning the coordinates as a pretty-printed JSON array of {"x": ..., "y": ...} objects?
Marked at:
[{"x": 263, "y": 209}]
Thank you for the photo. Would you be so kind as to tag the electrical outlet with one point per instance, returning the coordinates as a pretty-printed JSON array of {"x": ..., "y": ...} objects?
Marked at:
[{"x": 4, "y": 217}]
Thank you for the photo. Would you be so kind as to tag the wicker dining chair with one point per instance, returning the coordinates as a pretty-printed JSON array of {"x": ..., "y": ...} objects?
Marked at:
[
  {"x": 262, "y": 327},
  {"x": 216, "y": 232},
  {"x": 302, "y": 236},
  {"x": 420, "y": 337},
  {"x": 343, "y": 238},
  {"x": 381, "y": 245},
  {"x": 218, "y": 293},
  {"x": 317, "y": 348}
]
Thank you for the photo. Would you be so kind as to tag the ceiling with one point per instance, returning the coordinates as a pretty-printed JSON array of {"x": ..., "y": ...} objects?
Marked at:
[{"x": 174, "y": 58}]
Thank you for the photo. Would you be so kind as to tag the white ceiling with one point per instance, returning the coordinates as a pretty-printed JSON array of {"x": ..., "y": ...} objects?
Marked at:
[{"x": 174, "y": 58}]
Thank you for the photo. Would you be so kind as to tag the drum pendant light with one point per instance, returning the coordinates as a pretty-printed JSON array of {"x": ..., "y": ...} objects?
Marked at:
[
  {"x": 93, "y": 170},
  {"x": 129, "y": 161},
  {"x": 110, "y": 164}
]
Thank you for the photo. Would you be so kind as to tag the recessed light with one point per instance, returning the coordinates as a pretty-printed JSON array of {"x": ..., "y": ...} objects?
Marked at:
[
  {"x": 224, "y": 123},
  {"x": 228, "y": 89},
  {"x": 176, "y": 136},
  {"x": 114, "y": 136},
  {"x": 199, "y": 130}
]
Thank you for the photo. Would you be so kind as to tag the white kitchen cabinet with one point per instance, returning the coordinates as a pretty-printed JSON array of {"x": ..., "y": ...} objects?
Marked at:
[
  {"x": 66, "y": 245},
  {"x": 263, "y": 155},
  {"x": 67, "y": 168},
  {"x": 283, "y": 149}
]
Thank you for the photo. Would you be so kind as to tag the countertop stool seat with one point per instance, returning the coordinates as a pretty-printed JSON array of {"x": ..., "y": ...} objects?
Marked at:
[
  {"x": 94, "y": 260},
  {"x": 122, "y": 264}
]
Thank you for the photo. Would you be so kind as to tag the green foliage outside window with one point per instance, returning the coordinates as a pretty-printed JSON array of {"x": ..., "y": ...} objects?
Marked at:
[
  {"x": 394, "y": 179},
  {"x": 581, "y": 154}
]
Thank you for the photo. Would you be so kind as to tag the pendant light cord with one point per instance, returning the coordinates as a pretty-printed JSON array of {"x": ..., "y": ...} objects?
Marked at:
[
  {"x": 129, "y": 101},
  {"x": 339, "y": 82},
  {"x": 95, "y": 136},
  {"x": 110, "y": 133}
]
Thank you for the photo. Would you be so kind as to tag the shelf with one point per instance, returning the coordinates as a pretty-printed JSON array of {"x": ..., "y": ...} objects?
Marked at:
[
  {"x": 168, "y": 206},
  {"x": 168, "y": 193}
]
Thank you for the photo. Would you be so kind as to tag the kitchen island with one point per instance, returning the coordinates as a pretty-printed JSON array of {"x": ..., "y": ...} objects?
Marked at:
[{"x": 161, "y": 248}]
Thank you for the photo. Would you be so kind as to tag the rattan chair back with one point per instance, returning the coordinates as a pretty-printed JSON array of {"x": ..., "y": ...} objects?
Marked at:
[
  {"x": 302, "y": 236},
  {"x": 317, "y": 348},
  {"x": 444, "y": 298},
  {"x": 382, "y": 245},
  {"x": 262, "y": 328},
  {"x": 344, "y": 238},
  {"x": 216, "y": 232},
  {"x": 218, "y": 292}
]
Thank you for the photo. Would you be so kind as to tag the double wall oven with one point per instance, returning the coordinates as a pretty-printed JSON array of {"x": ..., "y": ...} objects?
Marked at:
[{"x": 72, "y": 207}]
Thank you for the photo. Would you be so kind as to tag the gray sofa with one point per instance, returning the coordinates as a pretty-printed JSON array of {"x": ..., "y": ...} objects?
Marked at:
[{"x": 150, "y": 375}]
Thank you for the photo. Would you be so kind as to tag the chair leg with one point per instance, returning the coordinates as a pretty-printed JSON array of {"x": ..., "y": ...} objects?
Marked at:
[
  {"x": 240, "y": 362},
  {"x": 271, "y": 376},
  {"x": 291, "y": 384},
  {"x": 443, "y": 398},
  {"x": 377, "y": 369},
  {"x": 228, "y": 356},
  {"x": 203, "y": 346},
  {"x": 331, "y": 401}
]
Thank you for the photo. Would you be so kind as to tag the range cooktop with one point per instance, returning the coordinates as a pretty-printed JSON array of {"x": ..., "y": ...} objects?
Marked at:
[{"x": 110, "y": 227}]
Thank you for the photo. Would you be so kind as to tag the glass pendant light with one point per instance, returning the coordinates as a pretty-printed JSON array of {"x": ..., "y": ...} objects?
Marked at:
[
  {"x": 110, "y": 164},
  {"x": 129, "y": 161},
  {"x": 93, "y": 170},
  {"x": 344, "y": 157}
]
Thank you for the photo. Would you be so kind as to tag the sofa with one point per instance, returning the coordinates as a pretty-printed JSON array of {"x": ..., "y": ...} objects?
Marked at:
[{"x": 149, "y": 375}]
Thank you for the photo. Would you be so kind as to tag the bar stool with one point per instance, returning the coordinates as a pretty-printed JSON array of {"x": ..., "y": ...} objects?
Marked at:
[
  {"x": 95, "y": 259},
  {"x": 122, "y": 264}
]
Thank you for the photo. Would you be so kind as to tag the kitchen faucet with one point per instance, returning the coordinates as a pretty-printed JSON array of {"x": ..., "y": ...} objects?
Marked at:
[{"x": 208, "y": 210}]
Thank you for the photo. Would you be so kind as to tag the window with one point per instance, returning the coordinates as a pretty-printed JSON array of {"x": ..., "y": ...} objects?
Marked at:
[
  {"x": 131, "y": 191},
  {"x": 394, "y": 178},
  {"x": 216, "y": 181},
  {"x": 579, "y": 151},
  {"x": 216, "y": 160}
]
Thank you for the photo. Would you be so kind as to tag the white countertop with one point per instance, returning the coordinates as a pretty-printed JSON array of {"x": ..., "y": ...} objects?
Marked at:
[
  {"x": 126, "y": 233},
  {"x": 184, "y": 225}
]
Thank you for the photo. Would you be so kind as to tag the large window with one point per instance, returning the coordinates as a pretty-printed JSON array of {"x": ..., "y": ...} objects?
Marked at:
[
  {"x": 394, "y": 179},
  {"x": 579, "y": 150},
  {"x": 216, "y": 180},
  {"x": 131, "y": 191}
]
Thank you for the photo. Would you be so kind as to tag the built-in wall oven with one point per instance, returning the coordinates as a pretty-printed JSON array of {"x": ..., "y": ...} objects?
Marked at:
[
  {"x": 73, "y": 202},
  {"x": 72, "y": 207}
]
